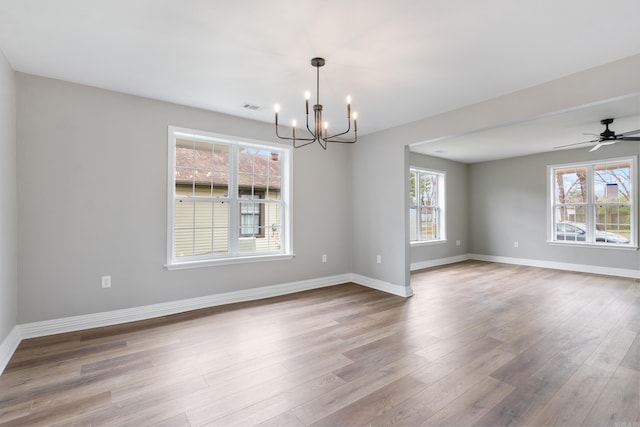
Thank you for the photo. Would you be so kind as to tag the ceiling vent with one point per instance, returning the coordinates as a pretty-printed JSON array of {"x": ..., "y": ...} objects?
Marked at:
[{"x": 251, "y": 107}]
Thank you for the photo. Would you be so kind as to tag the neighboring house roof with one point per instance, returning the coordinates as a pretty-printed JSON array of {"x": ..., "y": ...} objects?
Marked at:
[{"x": 208, "y": 168}]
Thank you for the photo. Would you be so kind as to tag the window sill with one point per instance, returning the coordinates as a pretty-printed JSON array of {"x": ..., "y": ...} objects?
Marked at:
[
  {"x": 594, "y": 245},
  {"x": 427, "y": 242},
  {"x": 226, "y": 261}
]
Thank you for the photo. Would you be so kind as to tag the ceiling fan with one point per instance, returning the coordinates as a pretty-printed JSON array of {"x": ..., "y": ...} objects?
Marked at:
[{"x": 607, "y": 137}]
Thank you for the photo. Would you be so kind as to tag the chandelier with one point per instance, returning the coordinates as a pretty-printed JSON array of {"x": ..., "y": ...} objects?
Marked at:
[{"x": 320, "y": 130}]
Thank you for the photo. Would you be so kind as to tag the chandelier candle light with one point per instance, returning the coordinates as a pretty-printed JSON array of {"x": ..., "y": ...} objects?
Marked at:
[{"x": 320, "y": 129}]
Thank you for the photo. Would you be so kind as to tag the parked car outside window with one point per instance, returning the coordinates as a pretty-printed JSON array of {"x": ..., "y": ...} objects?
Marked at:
[{"x": 577, "y": 232}]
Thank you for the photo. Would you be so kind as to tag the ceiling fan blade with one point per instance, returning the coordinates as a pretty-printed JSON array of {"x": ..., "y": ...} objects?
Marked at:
[
  {"x": 629, "y": 138},
  {"x": 631, "y": 132},
  {"x": 576, "y": 143},
  {"x": 603, "y": 143},
  {"x": 595, "y": 147}
]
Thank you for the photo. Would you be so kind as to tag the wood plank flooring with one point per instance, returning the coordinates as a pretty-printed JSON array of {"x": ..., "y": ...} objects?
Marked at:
[{"x": 479, "y": 344}]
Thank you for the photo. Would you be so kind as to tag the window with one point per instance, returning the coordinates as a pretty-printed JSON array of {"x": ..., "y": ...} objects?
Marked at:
[
  {"x": 594, "y": 203},
  {"x": 251, "y": 214},
  {"x": 228, "y": 199},
  {"x": 426, "y": 206}
]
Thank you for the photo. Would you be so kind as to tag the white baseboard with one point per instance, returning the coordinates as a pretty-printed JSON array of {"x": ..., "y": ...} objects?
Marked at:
[
  {"x": 380, "y": 285},
  {"x": 581, "y": 268},
  {"x": 8, "y": 346},
  {"x": 437, "y": 262},
  {"x": 114, "y": 317}
]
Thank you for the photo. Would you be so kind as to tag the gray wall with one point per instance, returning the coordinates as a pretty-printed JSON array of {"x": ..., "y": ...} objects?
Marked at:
[
  {"x": 92, "y": 179},
  {"x": 377, "y": 210},
  {"x": 8, "y": 210},
  {"x": 508, "y": 200},
  {"x": 456, "y": 208}
]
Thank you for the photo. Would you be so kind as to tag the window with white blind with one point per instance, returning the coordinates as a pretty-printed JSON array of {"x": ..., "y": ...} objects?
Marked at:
[
  {"x": 426, "y": 206},
  {"x": 228, "y": 199},
  {"x": 594, "y": 203}
]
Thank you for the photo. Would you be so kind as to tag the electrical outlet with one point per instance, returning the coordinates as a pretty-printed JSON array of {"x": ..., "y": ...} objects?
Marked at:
[
  {"x": 379, "y": 259},
  {"x": 324, "y": 257},
  {"x": 515, "y": 244},
  {"x": 457, "y": 242},
  {"x": 106, "y": 282}
]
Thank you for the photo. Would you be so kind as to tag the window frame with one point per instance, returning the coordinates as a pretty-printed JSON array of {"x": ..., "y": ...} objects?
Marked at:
[
  {"x": 233, "y": 198},
  {"x": 591, "y": 204},
  {"x": 440, "y": 207}
]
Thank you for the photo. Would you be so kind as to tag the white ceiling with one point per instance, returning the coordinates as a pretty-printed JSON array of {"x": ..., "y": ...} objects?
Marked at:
[
  {"x": 400, "y": 60},
  {"x": 541, "y": 134}
]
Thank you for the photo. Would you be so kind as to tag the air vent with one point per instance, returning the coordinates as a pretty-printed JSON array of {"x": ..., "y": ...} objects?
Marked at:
[{"x": 251, "y": 107}]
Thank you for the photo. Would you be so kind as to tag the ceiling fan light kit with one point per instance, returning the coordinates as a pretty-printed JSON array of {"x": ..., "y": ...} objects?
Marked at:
[
  {"x": 320, "y": 130},
  {"x": 607, "y": 137}
]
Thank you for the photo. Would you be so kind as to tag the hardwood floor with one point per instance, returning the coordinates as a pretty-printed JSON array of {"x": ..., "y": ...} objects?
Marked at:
[{"x": 479, "y": 344}]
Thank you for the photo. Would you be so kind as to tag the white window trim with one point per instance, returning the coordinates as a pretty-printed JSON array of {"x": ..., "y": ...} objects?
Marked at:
[
  {"x": 285, "y": 193},
  {"x": 442, "y": 181},
  {"x": 633, "y": 244},
  {"x": 182, "y": 265},
  {"x": 428, "y": 242}
]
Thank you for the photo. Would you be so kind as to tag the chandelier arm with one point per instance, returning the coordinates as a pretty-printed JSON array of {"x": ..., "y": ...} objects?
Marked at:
[
  {"x": 330, "y": 138},
  {"x": 342, "y": 133},
  {"x": 288, "y": 138},
  {"x": 294, "y": 139},
  {"x": 309, "y": 129},
  {"x": 349, "y": 141},
  {"x": 309, "y": 141},
  {"x": 343, "y": 141}
]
